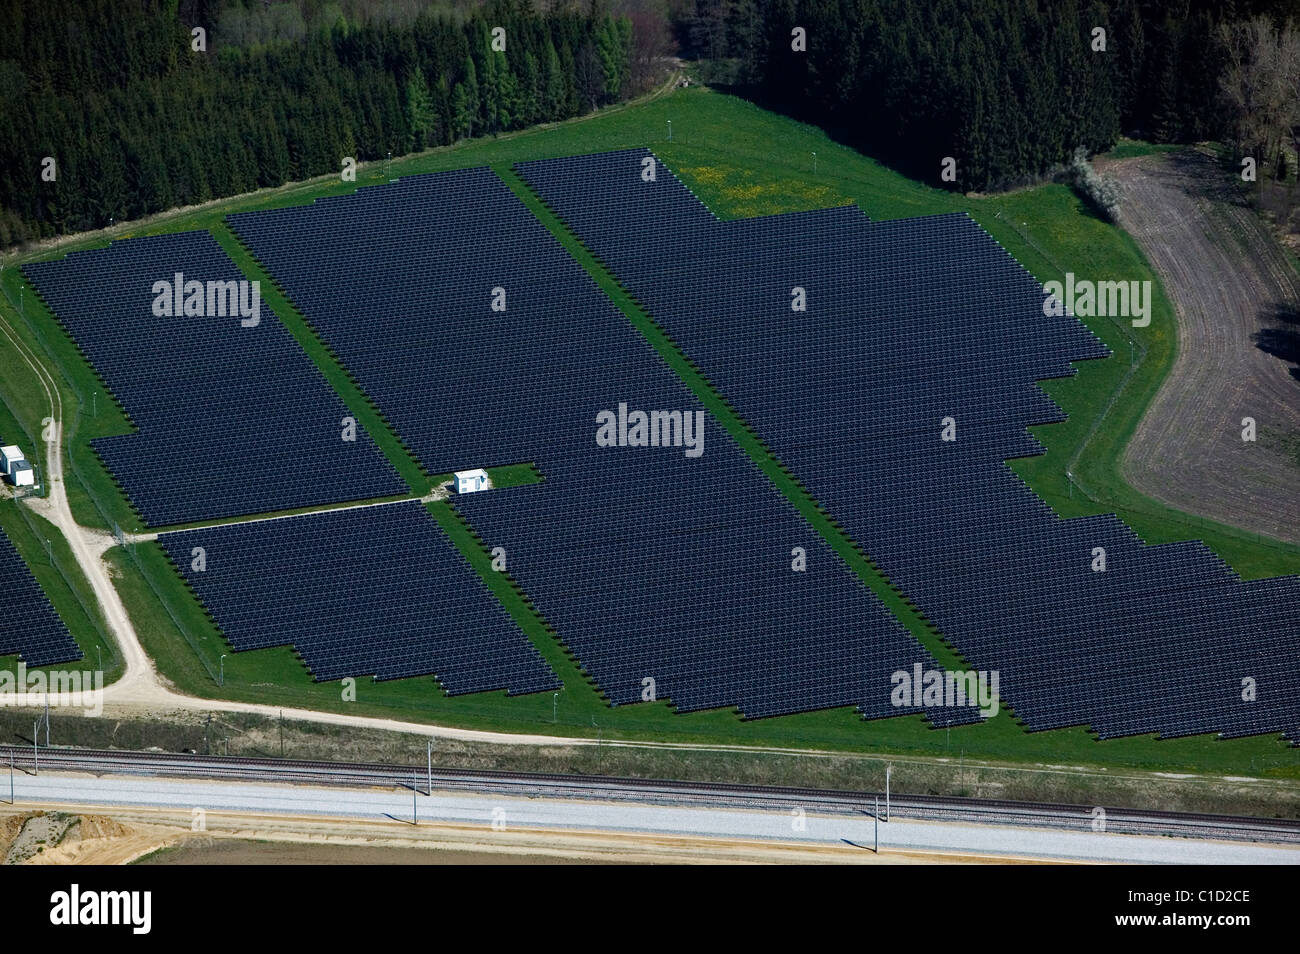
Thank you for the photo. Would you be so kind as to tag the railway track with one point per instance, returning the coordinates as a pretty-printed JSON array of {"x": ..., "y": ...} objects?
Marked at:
[{"x": 654, "y": 791}]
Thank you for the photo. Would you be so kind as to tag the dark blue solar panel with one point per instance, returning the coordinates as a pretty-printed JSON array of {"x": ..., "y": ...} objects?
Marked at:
[
  {"x": 648, "y": 563},
  {"x": 360, "y": 591},
  {"x": 907, "y": 323},
  {"x": 230, "y": 419},
  {"x": 29, "y": 627}
]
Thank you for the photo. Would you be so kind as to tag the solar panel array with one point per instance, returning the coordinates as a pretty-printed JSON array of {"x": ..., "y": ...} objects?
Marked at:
[
  {"x": 406, "y": 308},
  {"x": 663, "y": 573},
  {"x": 29, "y": 627},
  {"x": 230, "y": 419},
  {"x": 360, "y": 591},
  {"x": 908, "y": 323}
]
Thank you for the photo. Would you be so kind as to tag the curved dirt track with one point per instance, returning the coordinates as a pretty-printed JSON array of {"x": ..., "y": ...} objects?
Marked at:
[{"x": 1230, "y": 283}]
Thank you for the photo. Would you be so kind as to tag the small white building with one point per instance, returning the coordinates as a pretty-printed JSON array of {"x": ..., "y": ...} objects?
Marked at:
[
  {"x": 9, "y": 455},
  {"x": 470, "y": 481},
  {"x": 15, "y": 465}
]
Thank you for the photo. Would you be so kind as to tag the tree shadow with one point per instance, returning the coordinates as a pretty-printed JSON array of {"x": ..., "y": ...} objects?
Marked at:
[
  {"x": 888, "y": 151},
  {"x": 1204, "y": 177},
  {"x": 1282, "y": 338}
]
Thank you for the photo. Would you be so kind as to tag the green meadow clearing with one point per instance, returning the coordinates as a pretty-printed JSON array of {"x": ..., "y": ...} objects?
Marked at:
[{"x": 741, "y": 161}]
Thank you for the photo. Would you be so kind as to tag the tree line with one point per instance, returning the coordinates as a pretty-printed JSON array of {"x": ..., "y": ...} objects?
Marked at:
[
  {"x": 110, "y": 113},
  {"x": 1008, "y": 88}
]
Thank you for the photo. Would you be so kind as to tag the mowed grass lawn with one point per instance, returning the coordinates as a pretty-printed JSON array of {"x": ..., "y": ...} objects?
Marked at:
[{"x": 742, "y": 161}]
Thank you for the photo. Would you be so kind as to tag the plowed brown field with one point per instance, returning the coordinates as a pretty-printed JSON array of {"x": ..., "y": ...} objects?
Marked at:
[{"x": 1237, "y": 299}]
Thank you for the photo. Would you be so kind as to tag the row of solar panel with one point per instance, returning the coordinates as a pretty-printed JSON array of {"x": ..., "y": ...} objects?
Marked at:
[
  {"x": 29, "y": 627},
  {"x": 908, "y": 321},
  {"x": 232, "y": 417},
  {"x": 571, "y": 456},
  {"x": 650, "y": 564},
  {"x": 360, "y": 591}
]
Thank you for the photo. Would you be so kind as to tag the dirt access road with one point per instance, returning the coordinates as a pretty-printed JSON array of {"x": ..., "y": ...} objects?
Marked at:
[{"x": 1236, "y": 297}]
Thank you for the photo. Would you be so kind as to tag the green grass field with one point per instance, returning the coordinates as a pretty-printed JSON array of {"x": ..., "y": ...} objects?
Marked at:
[{"x": 741, "y": 161}]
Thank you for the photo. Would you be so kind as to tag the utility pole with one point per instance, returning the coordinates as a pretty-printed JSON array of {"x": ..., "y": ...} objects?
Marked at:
[
  {"x": 430, "y": 756},
  {"x": 281, "y": 733},
  {"x": 877, "y": 824},
  {"x": 415, "y": 810},
  {"x": 47, "y": 720},
  {"x": 36, "y": 752},
  {"x": 11, "y": 776},
  {"x": 555, "y": 708},
  {"x": 670, "y": 130},
  {"x": 888, "y": 771},
  {"x": 222, "y": 679}
]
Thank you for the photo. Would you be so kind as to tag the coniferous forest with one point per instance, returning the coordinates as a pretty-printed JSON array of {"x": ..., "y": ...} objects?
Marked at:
[
  {"x": 117, "y": 95},
  {"x": 1009, "y": 88}
]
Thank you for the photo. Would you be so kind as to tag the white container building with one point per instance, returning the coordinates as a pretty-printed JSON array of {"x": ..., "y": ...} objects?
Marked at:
[
  {"x": 16, "y": 467},
  {"x": 10, "y": 455},
  {"x": 471, "y": 481}
]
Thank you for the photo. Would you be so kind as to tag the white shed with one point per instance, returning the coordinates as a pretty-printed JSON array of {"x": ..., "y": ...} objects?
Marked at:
[
  {"x": 470, "y": 481},
  {"x": 22, "y": 474},
  {"x": 9, "y": 455}
]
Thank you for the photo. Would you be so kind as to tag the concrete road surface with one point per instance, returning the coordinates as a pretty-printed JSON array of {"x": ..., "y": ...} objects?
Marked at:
[{"x": 592, "y": 815}]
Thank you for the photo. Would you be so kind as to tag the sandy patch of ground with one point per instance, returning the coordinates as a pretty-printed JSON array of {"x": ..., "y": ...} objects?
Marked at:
[{"x": 62, "y": 838}]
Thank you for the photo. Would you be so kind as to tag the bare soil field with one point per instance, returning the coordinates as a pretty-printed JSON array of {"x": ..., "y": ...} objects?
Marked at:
[
  {"x": 1237, "y": 299},
  {"x": 211, "y": 851}
]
